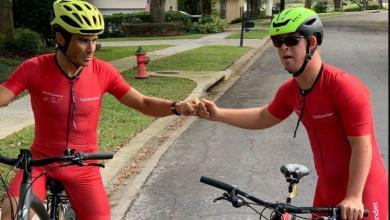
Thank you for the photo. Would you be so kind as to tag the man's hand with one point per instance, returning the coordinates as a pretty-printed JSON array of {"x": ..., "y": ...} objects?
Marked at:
[
  {"x": 207, "y": 109},
  {"x": 189, "y": 108},
  {"x": 351, "y": 208}
]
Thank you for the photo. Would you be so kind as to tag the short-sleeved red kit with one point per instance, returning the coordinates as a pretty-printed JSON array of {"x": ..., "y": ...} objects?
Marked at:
[
  {"x": 53, "y": 104},
  {"x": 337, "y": 107}
]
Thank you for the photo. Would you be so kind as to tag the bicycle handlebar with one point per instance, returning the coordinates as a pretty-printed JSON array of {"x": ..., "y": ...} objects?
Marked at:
[
  {"x": 279, "y": 206},
  {"x": 72, "y": 158}
]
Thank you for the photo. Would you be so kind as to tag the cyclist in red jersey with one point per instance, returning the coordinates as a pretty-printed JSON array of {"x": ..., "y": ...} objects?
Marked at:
[
  {"x": 334, "y": 106},
  {"x": 66, "y": 90}
]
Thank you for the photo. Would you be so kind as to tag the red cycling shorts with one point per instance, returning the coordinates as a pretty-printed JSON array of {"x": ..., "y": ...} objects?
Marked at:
[
  {"x": 83, "y": 186},
  {"x": 375, "y": 196}
]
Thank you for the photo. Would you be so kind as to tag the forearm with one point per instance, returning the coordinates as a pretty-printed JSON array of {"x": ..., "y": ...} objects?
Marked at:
[
  {"x": 5, "y": 96},
  {"x": 156, "y": 107},
  {"x": 359, "y": 166},
  {"x": 252, "y": 118}
]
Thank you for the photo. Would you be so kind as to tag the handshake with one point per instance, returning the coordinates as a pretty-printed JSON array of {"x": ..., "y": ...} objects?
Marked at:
[{"x": 197, "y": 107}]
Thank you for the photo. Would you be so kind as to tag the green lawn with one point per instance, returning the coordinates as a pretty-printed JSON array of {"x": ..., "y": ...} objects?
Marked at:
[
  {"x": 252, "y": 34},
  {"x": 206, "y": 58},
  {"x": 184, "y": 36},
  {"x": 115, "y": 53}
]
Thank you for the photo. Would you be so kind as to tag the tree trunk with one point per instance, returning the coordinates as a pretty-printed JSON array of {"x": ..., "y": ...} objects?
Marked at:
[
  {"x": 308, "y": 4},
  {"x": 337, "y": 5},
  {"x": 255, "y": 9},
  {"x": 157, "y": 11},
  {"x": 206, "y": 6},
  {"x": 6, "y": 19},
  {"x": 380, "y": 2}
]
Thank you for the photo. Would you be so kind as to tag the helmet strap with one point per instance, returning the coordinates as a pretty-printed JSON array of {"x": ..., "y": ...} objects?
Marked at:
[
  {"x": 64, "y": 50},
  {"x": 308, "y": 56}
]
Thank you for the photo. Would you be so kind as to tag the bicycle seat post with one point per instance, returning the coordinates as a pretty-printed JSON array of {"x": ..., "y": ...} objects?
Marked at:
[{"x": 293, "y": 173}]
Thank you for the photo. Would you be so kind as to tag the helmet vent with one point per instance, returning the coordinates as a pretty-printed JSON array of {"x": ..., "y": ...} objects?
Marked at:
[
  {"x": 78, "y": 17},
  {"x": 87, "y": 6},
  {"x": 78, "y": 7},
  {"x": 100, "y": 19},
  {"x": 280, "y": 24},
  {"x": 96, "y": 31},
  {"x": 69, "y": 21},
  {"x": 86, "y": 20},
  {"x": 310, "y": 22},
  {"x": 94, "y": 20},
  {"x": 67, "y": 8}
]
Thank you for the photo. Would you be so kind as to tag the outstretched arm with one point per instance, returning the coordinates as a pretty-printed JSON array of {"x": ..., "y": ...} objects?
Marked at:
[
  {"x": 250, "y": 118},
  {"x": 157, "y": 107},
  {"x": 359, "y": 166},
  {"x": 5, "y": 96}
]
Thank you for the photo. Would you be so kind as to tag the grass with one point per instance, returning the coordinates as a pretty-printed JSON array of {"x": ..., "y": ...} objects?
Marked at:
[
  {"x": 115, "y": 53},
  {"x": 184, "y": 36},
  {"x": 252, "y": 34},
  {"x": 206, "y": 58}
]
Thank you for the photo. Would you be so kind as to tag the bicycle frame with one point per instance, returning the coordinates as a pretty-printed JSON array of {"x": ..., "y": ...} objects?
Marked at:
[{"x": 25, "y": 162}]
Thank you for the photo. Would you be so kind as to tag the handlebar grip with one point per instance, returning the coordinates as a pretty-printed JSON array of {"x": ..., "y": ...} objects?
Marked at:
[
  {"x": 8, "y": 161},
  {"x": 216, "y": 183},
  {"x": 98, "y": 156}
]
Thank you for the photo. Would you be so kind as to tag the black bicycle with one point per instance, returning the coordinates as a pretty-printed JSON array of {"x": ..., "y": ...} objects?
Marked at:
[
  {"x": 57, "y": 205},
  {"x": 279, "y": 210}
]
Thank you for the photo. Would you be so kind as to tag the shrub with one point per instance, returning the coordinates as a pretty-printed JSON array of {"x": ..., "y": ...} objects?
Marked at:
[
  {"x": 212, "y": 24},
  {"x": 353, "y": 7},
  {"x": 174, "y": 16},
  {"x": 321, "y": 7},
  {"x": 34, "y": 15},
  {"x": 26, "y": 42},
  {"x": 372, "y": 7},
  {"x": 114, "y": 22},
  {"x": 151, "y": 29}
]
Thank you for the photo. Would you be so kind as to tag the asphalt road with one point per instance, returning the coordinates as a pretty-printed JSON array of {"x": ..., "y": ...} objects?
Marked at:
[{"x": 251, "y": 159}]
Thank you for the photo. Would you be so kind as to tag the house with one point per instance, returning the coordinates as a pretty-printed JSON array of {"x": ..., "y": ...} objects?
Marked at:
[
  {"x": 128, "y": 6},
  {"x": 229, "y": 9}
]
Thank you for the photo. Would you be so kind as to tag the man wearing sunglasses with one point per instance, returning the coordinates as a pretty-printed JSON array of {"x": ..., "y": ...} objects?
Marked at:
[{"x": 334, "y": 106}]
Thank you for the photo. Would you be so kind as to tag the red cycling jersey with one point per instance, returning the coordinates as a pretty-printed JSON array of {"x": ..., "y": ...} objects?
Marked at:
[
  {"x": 60, "y": 103},
  {"x": 338, "y": 106},
  {"x": 54, "y": 107}
]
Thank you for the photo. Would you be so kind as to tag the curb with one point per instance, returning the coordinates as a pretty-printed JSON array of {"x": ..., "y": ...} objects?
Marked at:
[{"x": 122, "y": 199}]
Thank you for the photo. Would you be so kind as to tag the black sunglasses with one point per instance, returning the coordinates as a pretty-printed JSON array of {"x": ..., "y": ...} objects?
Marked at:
[{"x": 289, "y": 41}]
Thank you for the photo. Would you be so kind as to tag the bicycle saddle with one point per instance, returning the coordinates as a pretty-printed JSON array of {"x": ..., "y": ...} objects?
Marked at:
[
  {"x": 294, "y": 172},
  {"x": 54, "y": 186}
]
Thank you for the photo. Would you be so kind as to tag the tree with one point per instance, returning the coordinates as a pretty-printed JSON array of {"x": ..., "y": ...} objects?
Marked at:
[
  {"x": 6, "y": 19},
  {"x": 362, "y": 4},
  {"x": 157, "y": 11},
  {"x": 190, "y": 6},
  {"x": 308, "y": 4},
  {"x": 255, "y": 8},
  {"x": 337, "y": 5},
  {"x": 206, "y": 7},
  {"x": 34, "y": 15}
]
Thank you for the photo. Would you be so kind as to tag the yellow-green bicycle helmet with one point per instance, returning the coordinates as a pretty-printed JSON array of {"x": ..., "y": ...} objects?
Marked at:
[
  {"x": 77, "y": 17},
  {"x": 299, "y": 19}
]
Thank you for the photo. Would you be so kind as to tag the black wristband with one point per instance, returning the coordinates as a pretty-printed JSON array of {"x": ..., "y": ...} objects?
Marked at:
[{"x": 173, "y": 108}]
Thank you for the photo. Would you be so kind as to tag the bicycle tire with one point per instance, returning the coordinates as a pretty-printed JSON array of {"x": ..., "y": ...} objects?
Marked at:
[{"x": 39, "y": 208}]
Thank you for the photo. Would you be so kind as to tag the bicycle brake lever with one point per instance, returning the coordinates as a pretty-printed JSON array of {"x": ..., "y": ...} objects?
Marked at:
[{"x": 225, "y": 196}]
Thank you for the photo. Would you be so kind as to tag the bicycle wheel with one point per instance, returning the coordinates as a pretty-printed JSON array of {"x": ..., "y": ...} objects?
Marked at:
[{"x": 39, "y": 208}]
